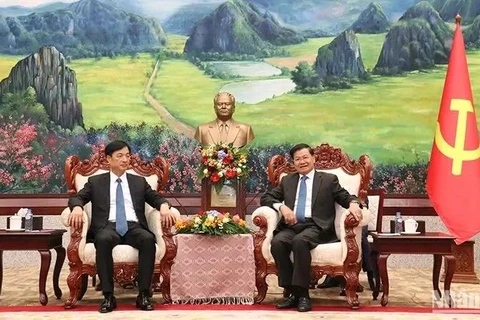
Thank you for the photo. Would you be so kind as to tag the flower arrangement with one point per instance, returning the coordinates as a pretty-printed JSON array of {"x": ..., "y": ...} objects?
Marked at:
[
  {"x": 212, "y": 223},
  {"x": 223, "y": 162}
]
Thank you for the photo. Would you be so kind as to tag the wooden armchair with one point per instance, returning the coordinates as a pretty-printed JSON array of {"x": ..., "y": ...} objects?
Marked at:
[
  {"x": 335, "y": 259},
  {"x": 81, "y": 253}
]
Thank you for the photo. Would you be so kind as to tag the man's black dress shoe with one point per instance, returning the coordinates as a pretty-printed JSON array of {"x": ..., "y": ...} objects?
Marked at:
[
  {"x": 288, "y": 303},
  {"x": 144, "y": 302},
  {"x": 109, "y": 303},
  {"x": 304, "y": 304}
]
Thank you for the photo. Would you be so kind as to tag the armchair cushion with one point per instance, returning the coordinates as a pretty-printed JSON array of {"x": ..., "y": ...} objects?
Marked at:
[
  {"x": 122, "y": 253},
  {"x": 324, "y": 254}
]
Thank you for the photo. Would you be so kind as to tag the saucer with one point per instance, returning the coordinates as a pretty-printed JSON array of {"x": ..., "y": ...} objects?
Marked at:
[
  {"x": 15, "y": 230},
  {"x": 410, "y": 233}
]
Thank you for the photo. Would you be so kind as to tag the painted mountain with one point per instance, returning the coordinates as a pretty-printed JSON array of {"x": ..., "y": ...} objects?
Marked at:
[
  {"x": 341, "y": 58},
  {"x": 371, "y": 20},
  {"x": 85, "y": 29},
  {"x": 331, "y": 16},
  {"x": 472, "y": 34},
  {"x": 419, "y": 40},
  {"x": 184, "y": 19},
  {"x": 13, "y": 11},
  {"x": 448, "y": 9},
  {"x": 240, "y": 28}
]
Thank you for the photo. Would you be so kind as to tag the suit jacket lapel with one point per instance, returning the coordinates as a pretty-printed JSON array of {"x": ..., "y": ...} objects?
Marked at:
[
  {"x": 317, "y": 182},
  {"x": 233, "y": 131},
  {"x": 290, "y": 202},
  {"x": 107, "y": 187},
  {"x": 213, "y": 131}
]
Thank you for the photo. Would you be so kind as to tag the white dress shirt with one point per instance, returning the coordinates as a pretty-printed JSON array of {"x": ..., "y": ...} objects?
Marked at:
[
  {"x": 127, "y": 197},
  {"x": 308, "y": 203}
]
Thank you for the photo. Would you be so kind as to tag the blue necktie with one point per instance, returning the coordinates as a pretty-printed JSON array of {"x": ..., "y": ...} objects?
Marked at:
[
  {"x": 302, "y": 200},
  {"x": 121, "y": 219}
]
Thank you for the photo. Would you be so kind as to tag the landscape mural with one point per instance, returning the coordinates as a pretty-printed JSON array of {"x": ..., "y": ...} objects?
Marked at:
[{"x": 363, "y": 76}]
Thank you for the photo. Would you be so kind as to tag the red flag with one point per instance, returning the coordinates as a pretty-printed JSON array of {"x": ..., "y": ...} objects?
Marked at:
[{"x": 453, "y": 179}]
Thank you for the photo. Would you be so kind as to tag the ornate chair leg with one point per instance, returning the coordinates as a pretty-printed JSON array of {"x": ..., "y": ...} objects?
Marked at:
[
  {"x": 84, "y": 285},
  {"x": 351, "y": 277},
  {"x": 73, "y": 282},
  {"x": 261, "y": 284},
  {"x": 165, "y": 286}
]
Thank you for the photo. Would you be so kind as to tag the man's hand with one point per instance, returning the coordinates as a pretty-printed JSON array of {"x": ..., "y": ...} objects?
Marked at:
[
  {"x": 354, "y": 208},
  {"x": 75, "y": 219},
  {"x": 288, "y": 215},
  {"x": 166, "y": 216}
]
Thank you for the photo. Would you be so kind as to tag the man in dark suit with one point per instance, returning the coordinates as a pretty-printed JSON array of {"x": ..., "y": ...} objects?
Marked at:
[
  {"x": 306, "y": 203},
  {"x": 118, "y": 217}
]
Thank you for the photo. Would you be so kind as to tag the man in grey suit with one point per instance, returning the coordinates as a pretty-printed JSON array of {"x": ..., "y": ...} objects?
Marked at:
[
  {"x": 306, "y": 203},
  {"x": 118, "y": 217}
]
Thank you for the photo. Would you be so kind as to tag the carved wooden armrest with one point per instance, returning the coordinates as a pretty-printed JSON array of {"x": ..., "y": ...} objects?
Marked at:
[
  {"x": 266, "y": 218},
  {"x": 78, "y": 236},
  {"x": 351, "y": 235},
  {"x": 167, "y": 260}
]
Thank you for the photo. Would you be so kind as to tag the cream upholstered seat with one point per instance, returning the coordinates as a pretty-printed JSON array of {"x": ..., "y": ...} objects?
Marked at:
[
  {"x": 338, "y": 258},
  {"x": 81, "y": 254}
]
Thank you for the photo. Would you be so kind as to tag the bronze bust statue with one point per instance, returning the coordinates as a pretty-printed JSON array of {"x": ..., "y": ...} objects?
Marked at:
[{"x": 224, "y": 129}]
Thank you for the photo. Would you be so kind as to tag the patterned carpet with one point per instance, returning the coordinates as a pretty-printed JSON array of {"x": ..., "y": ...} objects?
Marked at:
[{"x": 408, "y": 288}]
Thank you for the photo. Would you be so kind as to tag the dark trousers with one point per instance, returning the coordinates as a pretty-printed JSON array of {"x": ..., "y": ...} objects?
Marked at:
[
  {"x": 366, "y": 251},
  {"x": 137, "y": 237},
  {"x": 299, "y": 240}
]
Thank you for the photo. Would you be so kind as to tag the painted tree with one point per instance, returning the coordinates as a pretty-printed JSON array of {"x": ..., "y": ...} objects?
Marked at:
[{"x": 21, "y": 168}]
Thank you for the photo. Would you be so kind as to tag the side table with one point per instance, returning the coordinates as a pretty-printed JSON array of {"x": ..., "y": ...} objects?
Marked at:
[
  {"x": 41, "y": 241},
  {"x": 437, "y": 243}
]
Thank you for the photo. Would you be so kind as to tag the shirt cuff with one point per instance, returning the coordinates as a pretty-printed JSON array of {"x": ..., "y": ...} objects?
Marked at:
[{"x": 277, "y": 206}]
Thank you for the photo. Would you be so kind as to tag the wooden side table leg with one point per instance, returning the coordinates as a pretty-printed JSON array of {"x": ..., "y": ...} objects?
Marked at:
[
  {"x": 1, "y": 270},
  {"x": 46, "y": 258},
  {"x": 374, "y": 261},
  {"x": 437, "y": 264},
  {"x": 56, "y": 272},
  {"x": 382, "y": 268},
  {"x": 449, "y": 271}
]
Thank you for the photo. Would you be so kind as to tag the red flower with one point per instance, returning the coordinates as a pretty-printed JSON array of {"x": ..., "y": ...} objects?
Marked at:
[
  {"x": 204, "y": 159},
  {"x": 227, "y": 160},
  {"x": 230, "y": 173},
  {"x": 215, "y": 177}
]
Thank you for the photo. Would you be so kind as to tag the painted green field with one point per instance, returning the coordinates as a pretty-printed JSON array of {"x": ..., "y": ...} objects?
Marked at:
[
  {"x": 392, "y": 118},
  {"x": 110, "y": 90},
  {"x": 6, "y": 64},
  {"x": 176, "y": 43},
  {"x": 185, "y": 91}
]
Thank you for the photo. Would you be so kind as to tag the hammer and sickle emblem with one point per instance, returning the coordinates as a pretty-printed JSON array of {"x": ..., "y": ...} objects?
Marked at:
[{"x": 457, "y": 152}]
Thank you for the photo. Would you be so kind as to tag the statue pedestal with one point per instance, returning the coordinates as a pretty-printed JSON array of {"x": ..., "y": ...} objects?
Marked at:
[{"x": 230, "y": 199}]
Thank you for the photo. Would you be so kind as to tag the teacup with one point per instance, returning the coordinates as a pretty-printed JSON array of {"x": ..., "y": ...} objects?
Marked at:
[
  {"x": 15, "y": 222},
  {"x": 411, "y": 225}
]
